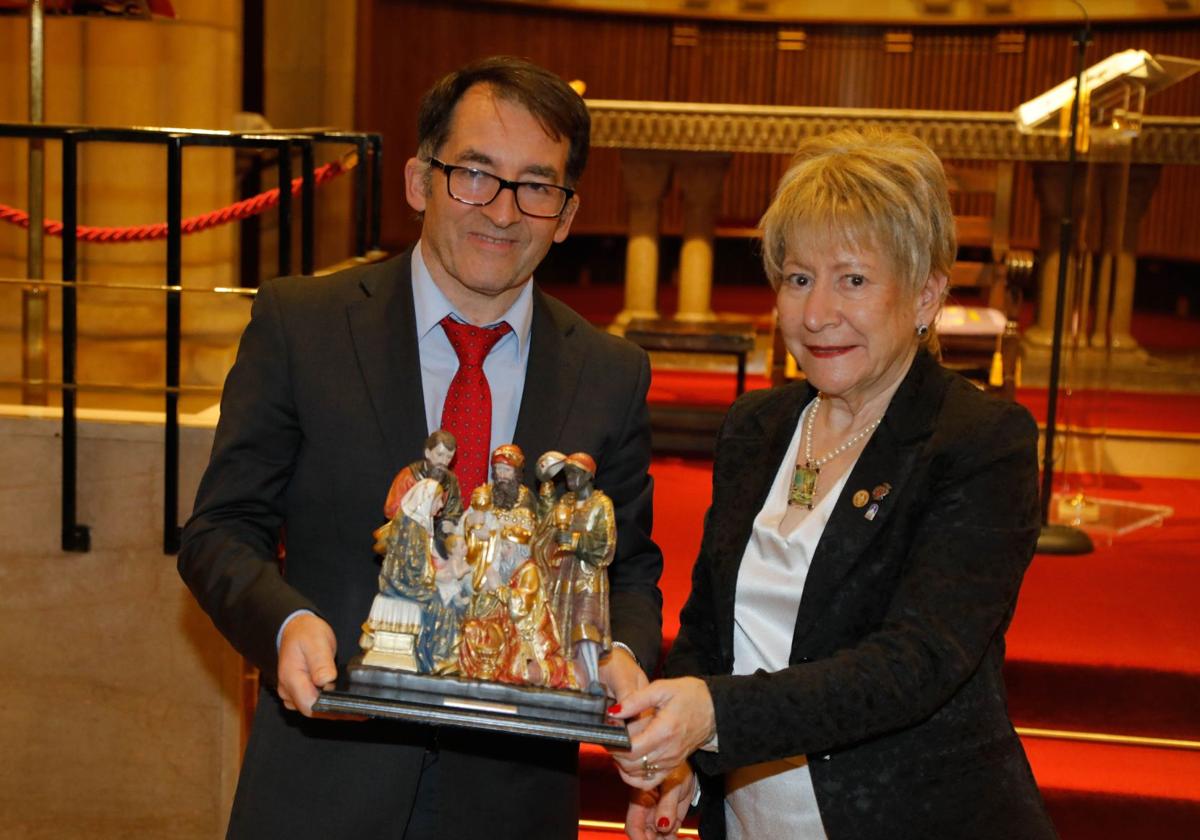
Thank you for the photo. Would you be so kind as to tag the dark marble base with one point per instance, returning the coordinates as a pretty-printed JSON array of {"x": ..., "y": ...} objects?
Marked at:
[{"x": 473, "y": 704}]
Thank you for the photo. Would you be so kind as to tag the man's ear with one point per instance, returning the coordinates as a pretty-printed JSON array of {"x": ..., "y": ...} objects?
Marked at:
[
  {"x": 416, "y": 183},
  {"x": 565, "y": 219}
]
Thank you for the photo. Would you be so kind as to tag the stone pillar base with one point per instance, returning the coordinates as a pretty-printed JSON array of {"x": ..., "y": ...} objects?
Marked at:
[{"x": 627, "y": 315}]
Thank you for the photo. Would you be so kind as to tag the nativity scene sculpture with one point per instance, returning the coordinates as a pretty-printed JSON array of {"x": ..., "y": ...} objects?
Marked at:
[{"x": 505, "y": 598}]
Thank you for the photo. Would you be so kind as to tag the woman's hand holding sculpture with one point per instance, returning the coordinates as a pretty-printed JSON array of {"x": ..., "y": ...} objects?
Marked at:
[{"x": 683, "y": 720}]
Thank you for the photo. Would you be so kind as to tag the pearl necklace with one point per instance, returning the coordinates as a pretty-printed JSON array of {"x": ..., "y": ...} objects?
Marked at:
[{"x": 804, "y": 479}]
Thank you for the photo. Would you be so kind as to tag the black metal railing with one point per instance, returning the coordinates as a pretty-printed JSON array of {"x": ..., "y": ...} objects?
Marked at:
[{"x": 368, "y": 181}]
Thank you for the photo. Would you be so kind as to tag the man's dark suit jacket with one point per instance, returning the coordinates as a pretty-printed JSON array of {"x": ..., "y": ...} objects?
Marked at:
[
  {"x": 321, "y": 409},
  {"x": 894, "y": 689}
]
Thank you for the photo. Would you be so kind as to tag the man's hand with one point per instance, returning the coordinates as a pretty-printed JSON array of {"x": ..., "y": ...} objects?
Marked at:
[
  {"x": 305, "y": 662},
  {"x": 620, "y": 672}
]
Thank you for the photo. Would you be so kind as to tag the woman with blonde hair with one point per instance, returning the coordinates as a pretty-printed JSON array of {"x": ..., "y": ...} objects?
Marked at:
[{"x": 837, "y": 671}]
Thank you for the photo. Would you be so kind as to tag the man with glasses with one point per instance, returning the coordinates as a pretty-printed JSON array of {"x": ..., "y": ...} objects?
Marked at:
[{"x": 337, "y": 384}]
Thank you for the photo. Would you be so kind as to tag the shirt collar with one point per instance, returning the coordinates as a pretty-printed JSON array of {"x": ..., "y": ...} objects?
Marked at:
[{"x": 431, "y": 306}]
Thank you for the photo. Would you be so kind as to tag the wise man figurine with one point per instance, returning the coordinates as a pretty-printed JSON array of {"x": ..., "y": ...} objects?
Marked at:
[
  {"x": 581, "y": 548},
  {"x": 503, "y": 503}
]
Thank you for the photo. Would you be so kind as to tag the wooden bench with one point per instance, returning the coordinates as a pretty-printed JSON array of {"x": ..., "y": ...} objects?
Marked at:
[{"x": 692, "y": 429}]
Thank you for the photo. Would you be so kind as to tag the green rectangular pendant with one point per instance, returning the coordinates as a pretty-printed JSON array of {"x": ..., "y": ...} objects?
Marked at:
[{"x": 804, "y": 486}]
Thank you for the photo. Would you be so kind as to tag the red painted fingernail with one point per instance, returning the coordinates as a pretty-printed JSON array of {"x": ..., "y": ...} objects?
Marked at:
[
  {"x": 663, "y": 822},
  {"x": 614, "y": 709}
]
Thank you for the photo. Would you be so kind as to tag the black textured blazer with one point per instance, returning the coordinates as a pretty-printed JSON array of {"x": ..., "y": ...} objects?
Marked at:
[
  {"x": 894, "y": 688},
  {"x": 321, "y": 409}
]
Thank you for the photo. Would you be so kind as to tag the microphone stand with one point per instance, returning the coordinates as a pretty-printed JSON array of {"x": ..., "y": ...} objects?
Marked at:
[{"x": 1063, "y": 539}]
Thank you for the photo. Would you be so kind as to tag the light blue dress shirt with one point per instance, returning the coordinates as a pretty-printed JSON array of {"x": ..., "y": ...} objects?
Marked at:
[{"x": 504, "y": 366}]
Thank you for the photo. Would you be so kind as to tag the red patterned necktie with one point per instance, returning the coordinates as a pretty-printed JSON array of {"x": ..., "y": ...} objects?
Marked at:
[{"x": 467, "y": 413}]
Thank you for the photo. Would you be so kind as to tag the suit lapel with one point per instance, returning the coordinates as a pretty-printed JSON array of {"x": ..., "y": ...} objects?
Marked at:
[
  {"x": 551, "y": 380},
  {"x": 383, "y": 328},
  {"x": 887, "y": 460}
]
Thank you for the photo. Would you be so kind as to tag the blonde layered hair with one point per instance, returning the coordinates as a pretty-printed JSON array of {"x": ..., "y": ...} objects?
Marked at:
[{"x": 869, "y": 188}]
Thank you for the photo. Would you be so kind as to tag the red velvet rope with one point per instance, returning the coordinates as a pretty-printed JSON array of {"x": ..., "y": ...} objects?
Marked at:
[{"x": 243, "y": 209}]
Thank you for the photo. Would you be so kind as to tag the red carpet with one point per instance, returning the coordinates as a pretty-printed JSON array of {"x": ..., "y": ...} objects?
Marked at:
[
  {"x": 682, "y": 493},
  {"x": 692, "y": 387},
  {"x": 1124, "y": 410},
  {"x": 1105, "y": 792},
  {"x": 1129, "y": 602},
  {"x": 1107, "y": 641}
]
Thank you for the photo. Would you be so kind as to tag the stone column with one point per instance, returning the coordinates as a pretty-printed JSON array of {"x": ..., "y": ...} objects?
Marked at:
[
  {"x": 110, "y": 71},
  {"x": 1121, "y": 222},
  {"x": 180, "y": 72},
  {"x": 645, "y": 175},
  {"x": 309, "y": 52},
  {"x": 702, "y": 180}
]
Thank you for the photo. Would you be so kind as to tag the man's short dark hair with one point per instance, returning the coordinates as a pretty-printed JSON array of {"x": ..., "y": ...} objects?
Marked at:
[{"x": 558, "y": 108}]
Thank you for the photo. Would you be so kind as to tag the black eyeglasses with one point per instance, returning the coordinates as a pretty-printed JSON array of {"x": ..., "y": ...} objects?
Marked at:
[{"x": 479, "y": 188}]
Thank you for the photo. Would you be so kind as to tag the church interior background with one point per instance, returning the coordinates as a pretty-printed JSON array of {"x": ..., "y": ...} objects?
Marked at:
[{"x": 124, "y": 712}]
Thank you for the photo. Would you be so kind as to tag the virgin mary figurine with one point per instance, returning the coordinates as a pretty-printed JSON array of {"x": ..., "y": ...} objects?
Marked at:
[{"x": 406, "y": 581}]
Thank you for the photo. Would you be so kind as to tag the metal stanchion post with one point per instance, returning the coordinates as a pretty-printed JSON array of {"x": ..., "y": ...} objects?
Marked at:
[
  {"x": 307, "y": 206},
  {"x": 1055, "y": 538},
  {"x": 75, "y": 537},
  {"x": 376, "y": 189},
  {"x": 361, "y": 186},
  {"x": 35, "y": 307},
  {"x": 285, "y": 209},
  {"x": 174, "y": 328}
]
